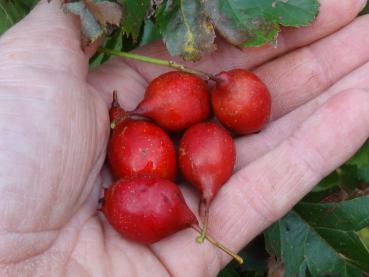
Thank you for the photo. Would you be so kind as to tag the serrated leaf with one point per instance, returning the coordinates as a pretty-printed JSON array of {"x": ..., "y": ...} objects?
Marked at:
[
  {"x": 186, "y": 29},
  {"x": 256, "y": 22},
  {"x": 134, "y": 13},
  {"x": 322, "y": 239}
]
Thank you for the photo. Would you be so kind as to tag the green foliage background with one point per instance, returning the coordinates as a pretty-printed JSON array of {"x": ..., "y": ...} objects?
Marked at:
[{"x": 326, "y": 234}]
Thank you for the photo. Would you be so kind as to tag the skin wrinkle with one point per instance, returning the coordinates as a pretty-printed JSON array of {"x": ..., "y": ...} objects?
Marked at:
[
  {"x": 297, "y": 142},
  {"x": 42, "y": 241},
  {"x": 38, "y": 66},
  {"x": 267, "y": 72},
  {"x": 275, "y": 136},
  {"x": 361, "y": 97},
  {"x": 255, "y": 199},
  {"x": 51, "y": 244}
]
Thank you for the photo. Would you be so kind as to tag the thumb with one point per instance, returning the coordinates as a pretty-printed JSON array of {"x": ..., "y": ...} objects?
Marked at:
[{"x": 46, "y": 38}]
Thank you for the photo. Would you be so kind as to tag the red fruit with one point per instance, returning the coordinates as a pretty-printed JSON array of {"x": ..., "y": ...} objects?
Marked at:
[
  {"x": 140, "y": 147},
  {"x": 241, "y": 101},
  {"x": 146, "y": 209},
  {"x": 206, "y": 158},
  {"x": 175, "y": 101}
]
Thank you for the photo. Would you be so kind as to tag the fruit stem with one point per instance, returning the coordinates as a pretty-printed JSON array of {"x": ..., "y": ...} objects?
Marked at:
[
  {"x": 171, "y": 64},
  {"x": 115, "y": 103},
  {"x": 202, "y": 236},
  {"x": 219, "y": 245}
]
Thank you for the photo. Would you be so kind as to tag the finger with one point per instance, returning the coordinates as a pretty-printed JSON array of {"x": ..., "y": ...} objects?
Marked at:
[
  {"x": 252, "y": 147},
  {"x": 265, "y": 190},
  {"x": 262, "y": 192},
  {"x": 300, "y": 76},
  {"x": 115, "y": 73},
  {"x": 46, "y": 38}
]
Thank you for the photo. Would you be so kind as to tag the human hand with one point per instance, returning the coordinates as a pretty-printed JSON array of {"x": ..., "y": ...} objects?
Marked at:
[{"x": 54, "y": 129}]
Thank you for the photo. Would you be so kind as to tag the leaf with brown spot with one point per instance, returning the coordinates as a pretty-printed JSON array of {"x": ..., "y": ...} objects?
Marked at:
[
  {"x": 186, "y": 29},
  {"x": 256, "y": 22},
  {"x": 97, "y": 16}
]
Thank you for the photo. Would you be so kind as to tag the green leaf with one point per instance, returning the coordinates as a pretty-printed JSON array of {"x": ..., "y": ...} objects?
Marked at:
[
  {"x": 134, "y": 13},
  {"x": 229, "y": 271},
  {"x": 364, "y": 236},
  {"x": 150, "y": 33},
  {"x": 12, "y": 11},
  {"x": 186, "y": 29},
  {"x": 256, "y": 22},
  {"x": 351, "y": 215},
  {"x": 114, "y": 42},
  {"x": 303, "y": 249},
  {"x": 365, "y": 10},
  {"x": 322, "y": 239},
  {"x": 328, "y": 182},
  {"x": 361, "y": 158},
  {"x": 361, "y": 161}
]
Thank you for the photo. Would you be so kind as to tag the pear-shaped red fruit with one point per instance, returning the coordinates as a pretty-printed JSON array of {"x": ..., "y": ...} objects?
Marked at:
[
  {"x": 146, "y": 209},
  {"x": 175, "y": 101},
  {"x": 141, "y": 147},
  {"x": 206, "y": 158},
  {"x": 241, "y": 101}
]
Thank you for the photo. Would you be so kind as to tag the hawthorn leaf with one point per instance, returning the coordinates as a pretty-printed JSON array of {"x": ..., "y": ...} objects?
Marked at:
[
  {"x": 322, "y": 239},
  {"x": 256, "y": 22},
  {"x": 134, "y": 13},
  {"x": 186, "y": 29}
]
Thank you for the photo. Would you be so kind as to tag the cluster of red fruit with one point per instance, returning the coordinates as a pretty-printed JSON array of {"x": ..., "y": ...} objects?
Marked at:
[{"x": 144, "y": 205}]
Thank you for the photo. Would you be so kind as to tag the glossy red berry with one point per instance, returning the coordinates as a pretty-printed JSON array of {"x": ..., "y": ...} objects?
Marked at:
[
  {"x": 146, "y": 209},
  {"x": 175, "y": 101},
  {"x": 141, "y": 147},
  {"x": 241, "y": 101},
  {"x": 206, "y": 158}
]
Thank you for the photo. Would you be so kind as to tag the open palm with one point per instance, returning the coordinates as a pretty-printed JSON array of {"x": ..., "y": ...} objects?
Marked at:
[{"x": 54, "y": 129}]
